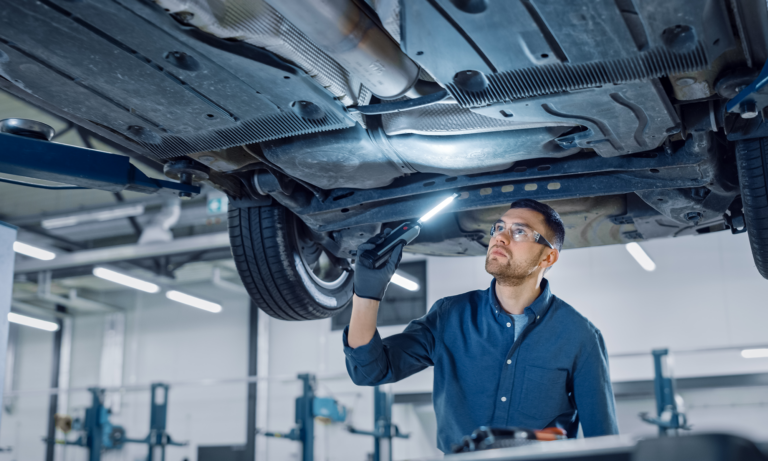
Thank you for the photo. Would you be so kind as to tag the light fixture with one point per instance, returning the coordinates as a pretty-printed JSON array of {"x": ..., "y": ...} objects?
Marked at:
[
  {"x": 183, "y": 298},
  {"x": 641, "y": 256},
  {"x": 32, "y": 322},
  {"x": 754, "y": 353},
  {"x": 126, "y": 280},
  {"x": 409, "y": 285},
  {"x": 104, "y": 215},
  {"x": 436, "y": 209},
  {"x": 34, "y": 252}
]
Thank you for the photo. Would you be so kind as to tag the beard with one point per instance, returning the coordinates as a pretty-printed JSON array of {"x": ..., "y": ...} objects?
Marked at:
[{"x": 512, "y": 271}]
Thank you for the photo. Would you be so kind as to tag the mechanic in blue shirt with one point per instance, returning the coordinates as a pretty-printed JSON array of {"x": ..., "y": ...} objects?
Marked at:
[{"x": 511, "y": 355}]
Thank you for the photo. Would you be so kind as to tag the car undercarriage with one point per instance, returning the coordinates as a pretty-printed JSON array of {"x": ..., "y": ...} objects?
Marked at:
[{"x": 325, "y": 122}]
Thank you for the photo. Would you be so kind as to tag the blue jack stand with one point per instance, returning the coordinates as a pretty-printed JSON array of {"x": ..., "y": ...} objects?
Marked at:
[
  {"x": 100, "y": 434},
  {"x": 669, "y": 419}
]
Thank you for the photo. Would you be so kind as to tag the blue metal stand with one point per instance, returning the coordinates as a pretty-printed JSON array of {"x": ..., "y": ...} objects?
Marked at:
[
  {"x": 384, "y": 430},
  {"x": 668, "y": 418},
  {"x": 158, "y": 437},
  {"x": 100, "y": 434},
  {"x": 309, "y": 407}
]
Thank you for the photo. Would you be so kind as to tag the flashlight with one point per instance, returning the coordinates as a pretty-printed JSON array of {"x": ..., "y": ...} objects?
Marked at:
[{"x": 405, "y": 234}]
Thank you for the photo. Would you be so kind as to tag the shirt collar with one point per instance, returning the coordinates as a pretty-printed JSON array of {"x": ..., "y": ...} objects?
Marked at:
[{"x": 538, "y": 307}]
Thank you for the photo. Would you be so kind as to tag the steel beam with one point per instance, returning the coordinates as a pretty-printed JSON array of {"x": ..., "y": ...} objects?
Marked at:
[{"x": 127, "y": 252}]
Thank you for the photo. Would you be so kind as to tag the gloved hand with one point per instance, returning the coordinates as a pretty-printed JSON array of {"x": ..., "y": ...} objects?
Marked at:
[{"x": 369, "y": 282}]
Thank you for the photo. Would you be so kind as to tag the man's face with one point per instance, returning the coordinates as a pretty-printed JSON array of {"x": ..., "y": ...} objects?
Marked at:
[{"x": 511, "y": 262}]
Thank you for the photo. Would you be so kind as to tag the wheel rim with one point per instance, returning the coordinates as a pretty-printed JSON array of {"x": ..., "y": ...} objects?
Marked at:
[{"x": 317, "y": 261}]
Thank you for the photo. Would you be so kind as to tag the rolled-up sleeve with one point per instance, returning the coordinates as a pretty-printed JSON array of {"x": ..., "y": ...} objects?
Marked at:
[
  {"x": 593, "y": 393},
  {"x": 396, "y": 357}
]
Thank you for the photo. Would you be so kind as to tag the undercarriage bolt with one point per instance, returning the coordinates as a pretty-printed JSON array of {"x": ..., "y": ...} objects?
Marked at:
[
  {"x": 693, "y": 216},
  {"x": 748, "y": 109}
]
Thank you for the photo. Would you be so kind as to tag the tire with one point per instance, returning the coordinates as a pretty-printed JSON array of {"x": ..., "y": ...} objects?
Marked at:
[
  {"x": 752, "y": 164},
  {"x": 275, "y": 260}
]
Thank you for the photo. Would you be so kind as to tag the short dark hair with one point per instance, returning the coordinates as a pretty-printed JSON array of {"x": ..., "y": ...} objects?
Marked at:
[{"x": 551, "y": 218}]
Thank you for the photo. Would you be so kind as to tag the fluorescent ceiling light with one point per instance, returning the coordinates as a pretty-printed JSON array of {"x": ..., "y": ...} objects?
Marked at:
[
  {"x": 34, "y": 252},
  {"x": 32, "y": 322},
  {"x": 409, "y": 285},
  {"x": 754, "y": 353},
  {"x": 180, "y": 297},
  {"x": 126, "y": 280},
  {"x": 436, "y": 209},
  {"x": 641, "y": 256},
  {"x": 105, "y": 215}
]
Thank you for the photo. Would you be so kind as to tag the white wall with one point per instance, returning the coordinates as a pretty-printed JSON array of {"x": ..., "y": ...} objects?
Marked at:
[
  {"x": 164, "y": 341},
  {"x": 25, "y": 427}
]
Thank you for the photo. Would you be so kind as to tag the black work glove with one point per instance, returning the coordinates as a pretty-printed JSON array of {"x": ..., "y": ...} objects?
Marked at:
[{"x": 369, "y": 282}]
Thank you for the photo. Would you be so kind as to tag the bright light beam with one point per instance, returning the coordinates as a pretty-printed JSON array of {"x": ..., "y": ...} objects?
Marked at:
[
  {"x": 436, "y": 209},
  {"x": 183, "y": 298},
  {"x": 409, "y": 285},
  {"x": 754, "y": 353},
  {"x": 126, "y": 280},
  {"x": 32, "y": 322},
  {"x": 641, "y": 256},
  {"x": 34, "y": 252}
]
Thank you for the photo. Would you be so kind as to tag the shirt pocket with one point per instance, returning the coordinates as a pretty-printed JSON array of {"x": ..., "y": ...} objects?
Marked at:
[{"x": 544, "y": 394}]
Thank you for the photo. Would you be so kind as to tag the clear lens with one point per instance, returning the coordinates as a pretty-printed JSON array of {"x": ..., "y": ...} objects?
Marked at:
[{"x": 517, "y": 233}]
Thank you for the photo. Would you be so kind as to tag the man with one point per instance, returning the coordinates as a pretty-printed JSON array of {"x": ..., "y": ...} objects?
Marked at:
[{"x": 511, "y": 355}]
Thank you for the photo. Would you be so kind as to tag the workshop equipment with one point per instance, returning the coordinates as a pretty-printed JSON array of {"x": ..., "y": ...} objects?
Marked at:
[
  {"x": 26, "y": 150},
  {"x": 405, "y": 233},
  {"x": 669, "y": 418},
  {"x": 98, "y": 433},
  {"x": 698, "y": 447},
  {"x": 309, "y": 407},
  {"x": 489, "y": 438},
  {"x": 384, "y": 430}
]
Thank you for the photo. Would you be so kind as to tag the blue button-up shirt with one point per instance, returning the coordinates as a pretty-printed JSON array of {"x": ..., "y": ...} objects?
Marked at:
[{"x": 554, "y": 375}]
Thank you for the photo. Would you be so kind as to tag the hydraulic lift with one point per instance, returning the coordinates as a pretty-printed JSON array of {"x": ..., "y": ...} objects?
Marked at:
[
  {"x": 99, "y": 434},
  {"x": 309, "y": 407}
]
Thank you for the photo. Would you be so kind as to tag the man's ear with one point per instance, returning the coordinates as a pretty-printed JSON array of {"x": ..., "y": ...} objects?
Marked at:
[{"x": 552, "y": 256}]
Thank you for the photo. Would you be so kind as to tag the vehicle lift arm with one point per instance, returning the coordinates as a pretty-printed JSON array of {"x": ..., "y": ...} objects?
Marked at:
[{"x": 25, "y": 150}]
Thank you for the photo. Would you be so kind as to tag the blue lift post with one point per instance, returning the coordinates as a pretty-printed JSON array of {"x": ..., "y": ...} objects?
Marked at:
[
  {"x": 309, "y": 407},
  {"x": 668, "y": 417},
  {"x": 384, "y": 430},
  {"x": 100, "y": 434},
  {"x": 158, "y": 437}
]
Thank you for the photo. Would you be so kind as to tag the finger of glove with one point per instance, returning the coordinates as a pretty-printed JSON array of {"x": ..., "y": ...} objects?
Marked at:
[{"x": 394, "y": 258}]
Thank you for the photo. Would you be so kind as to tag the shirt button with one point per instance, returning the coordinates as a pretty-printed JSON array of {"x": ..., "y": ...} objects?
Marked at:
[
  {"x": 509, "y": 324},
  {"x": 503, "y": 399},
  {"x": 509, "y": 362},
  {"x": 538, "y": 317}
]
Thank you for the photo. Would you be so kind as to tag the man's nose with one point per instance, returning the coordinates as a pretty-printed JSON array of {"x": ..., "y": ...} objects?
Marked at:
[{"x": 502, "y": 237}]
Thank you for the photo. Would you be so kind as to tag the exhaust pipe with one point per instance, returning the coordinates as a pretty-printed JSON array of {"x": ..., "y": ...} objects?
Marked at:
[{"x": 344, "y": 31}]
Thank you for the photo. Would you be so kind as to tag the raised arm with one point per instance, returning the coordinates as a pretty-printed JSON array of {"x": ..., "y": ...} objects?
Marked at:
[{"x": 371, "y": 361}]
